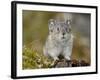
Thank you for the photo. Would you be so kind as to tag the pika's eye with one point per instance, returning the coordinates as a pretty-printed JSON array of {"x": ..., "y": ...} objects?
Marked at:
[
  {"x": 51, "y": 30},
  {"x": 57, "y": 29},
  {"x": 69, "y": 30}
]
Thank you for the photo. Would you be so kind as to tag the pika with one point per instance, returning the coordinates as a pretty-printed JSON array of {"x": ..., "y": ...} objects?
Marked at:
[{"x": 59, "y": 40}]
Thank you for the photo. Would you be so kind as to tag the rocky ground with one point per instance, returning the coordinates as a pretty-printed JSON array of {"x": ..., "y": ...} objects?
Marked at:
[{"x": 71, "y": 63}]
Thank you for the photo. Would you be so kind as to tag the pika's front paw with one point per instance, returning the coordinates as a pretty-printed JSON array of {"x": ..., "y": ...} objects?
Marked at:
[
  {"x": 55, "y": 62},
  {"x": 67, "y": 58}
]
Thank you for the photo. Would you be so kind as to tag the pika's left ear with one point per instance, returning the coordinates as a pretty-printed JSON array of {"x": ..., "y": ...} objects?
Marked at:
[{"x": 68, "y": 22}]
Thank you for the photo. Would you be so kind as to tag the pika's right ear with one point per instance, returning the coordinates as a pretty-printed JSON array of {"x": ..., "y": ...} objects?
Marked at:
[{"x": 51, "y": 22}]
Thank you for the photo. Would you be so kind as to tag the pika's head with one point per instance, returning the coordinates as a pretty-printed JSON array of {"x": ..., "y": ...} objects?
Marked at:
[{"x": 60, "y": 30}]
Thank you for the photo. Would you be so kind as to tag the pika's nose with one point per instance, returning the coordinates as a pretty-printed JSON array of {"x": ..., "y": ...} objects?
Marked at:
[{"x": 63, "y": 33}]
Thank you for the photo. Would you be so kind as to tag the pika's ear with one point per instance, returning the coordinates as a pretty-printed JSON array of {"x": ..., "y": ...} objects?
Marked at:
[
  {"x": 68, "y": 22},
  {"x": 51, "y": 22}
]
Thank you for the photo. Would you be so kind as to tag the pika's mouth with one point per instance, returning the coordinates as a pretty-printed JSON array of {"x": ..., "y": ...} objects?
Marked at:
[{"x": 63, "y": 37}]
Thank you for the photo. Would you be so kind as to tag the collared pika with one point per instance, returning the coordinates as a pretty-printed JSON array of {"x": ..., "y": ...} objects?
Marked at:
[{"x": 59, "y": 40}]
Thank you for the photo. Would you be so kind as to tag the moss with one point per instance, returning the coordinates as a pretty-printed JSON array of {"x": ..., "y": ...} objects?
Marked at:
[{"x": 34, "y": 60}]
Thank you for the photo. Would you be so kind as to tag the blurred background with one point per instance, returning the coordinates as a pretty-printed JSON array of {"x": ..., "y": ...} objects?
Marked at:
[{"x": 35, "y": 32}]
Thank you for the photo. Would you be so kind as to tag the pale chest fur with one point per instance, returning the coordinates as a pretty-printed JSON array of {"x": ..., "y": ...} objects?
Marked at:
[{"x": 58, "y": 46}]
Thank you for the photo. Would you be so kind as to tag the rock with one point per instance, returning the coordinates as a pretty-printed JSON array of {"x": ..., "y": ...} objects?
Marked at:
[{"x": 71, "y": 63}]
